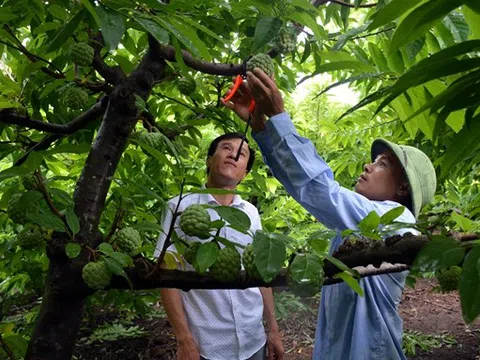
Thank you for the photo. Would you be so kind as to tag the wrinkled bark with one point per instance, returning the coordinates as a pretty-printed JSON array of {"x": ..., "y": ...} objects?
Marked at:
[{"x": 60, "y": 317}]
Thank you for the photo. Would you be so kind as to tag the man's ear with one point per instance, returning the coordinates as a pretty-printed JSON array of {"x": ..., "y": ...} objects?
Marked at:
[{"x": 403, "y": 190}]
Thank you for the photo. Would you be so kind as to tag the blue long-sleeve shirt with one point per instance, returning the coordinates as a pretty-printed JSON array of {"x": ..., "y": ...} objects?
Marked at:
[{"x": 350, "y": 327}]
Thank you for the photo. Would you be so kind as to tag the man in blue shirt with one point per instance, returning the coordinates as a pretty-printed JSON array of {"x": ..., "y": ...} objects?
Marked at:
[{"x": 350, "y": 327}]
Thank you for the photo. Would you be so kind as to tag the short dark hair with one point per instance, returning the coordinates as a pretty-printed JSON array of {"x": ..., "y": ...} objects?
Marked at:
[{"x": 232, "y": 135}]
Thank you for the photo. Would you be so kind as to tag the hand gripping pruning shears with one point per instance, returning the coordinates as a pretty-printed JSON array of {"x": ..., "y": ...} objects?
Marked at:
[{"x": 238, "y": 81}]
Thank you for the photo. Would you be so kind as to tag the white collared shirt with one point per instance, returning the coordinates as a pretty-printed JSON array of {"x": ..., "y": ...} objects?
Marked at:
[{"x": 226, "y": 324}]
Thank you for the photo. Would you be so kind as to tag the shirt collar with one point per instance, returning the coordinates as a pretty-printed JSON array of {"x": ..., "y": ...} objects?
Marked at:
[{"x": 209, "y": 199}]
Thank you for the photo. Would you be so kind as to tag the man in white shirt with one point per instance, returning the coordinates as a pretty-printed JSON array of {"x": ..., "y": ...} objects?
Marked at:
[{"x": 222, "y": 324}]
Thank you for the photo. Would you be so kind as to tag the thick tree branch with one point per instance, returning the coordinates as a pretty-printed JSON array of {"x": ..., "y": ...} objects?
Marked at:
[
  {"x": 112, "y": 138},
  {"x": 76, "y": 124},
  {"x": 112, "y": 75}
]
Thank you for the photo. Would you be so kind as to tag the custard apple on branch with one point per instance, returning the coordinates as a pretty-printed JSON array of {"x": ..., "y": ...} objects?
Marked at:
[
  {"x": 75, "y": 98},
  {"x": 449, "y": 279},
  {"x": 81, "y": 54},
  {"x": 128, "y": 240},
  {"x": 152, "y": 139},
  {"x": 195, "y": 221},
  {"x": 248, "y": 259},
  {"x": 191, "y": 252},
  {"x": 186, "y": 85},
  {"x": 15, "y": 213},
  {"x": 262, "y": 61},
  {"x": 284, "y": 41},
  {"x": 96, "y": 275},
  {"x": 227, "y": 266},
  {"x": 30, "y": 238}
]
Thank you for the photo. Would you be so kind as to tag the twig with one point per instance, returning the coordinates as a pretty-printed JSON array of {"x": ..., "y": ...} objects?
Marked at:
[
  {"x": 32, "y": 57},
  {"x": 6, "y": 348},
  {"x": 43, "y": 189},
  {"x": 346, "y": 4},
  {"x": 116, "y": 223},
  {"x": 430, "y": 302}
]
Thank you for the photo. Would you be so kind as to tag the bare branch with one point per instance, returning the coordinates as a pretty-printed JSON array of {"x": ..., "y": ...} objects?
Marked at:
[{"x": 78, "y": 123}]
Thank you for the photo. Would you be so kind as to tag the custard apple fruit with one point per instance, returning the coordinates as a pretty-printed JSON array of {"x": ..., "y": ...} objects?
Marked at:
[
  {"x": 29, "y": 182},
  {"x": 186, "y": 85},
  {"x": 152, "y": 139},
  {"x": 30, "y": 238},
  {"x": 227, "y": 265},
  {"x": 16, "y": 214},
  {"x": 262, "y": 61},
  {"x": 449, "y": 279},
  {"x": 128, "y": 240},
  {"x": 81, "y": 54},
  {"x": 191, "y": 252},
  {"x": 75, "y": 98},
  {"x": 248, "y": 259},
  {"x": 195, "y": 221},
  {"x": 284, "y": 41},
  {"x": 96, "y": 275}
]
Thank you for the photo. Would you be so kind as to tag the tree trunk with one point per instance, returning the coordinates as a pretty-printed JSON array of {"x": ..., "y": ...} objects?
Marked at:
[{"x": 61, "y": 314}]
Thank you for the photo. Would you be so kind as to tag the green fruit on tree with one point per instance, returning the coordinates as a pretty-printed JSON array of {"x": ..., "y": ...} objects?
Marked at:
[
  {"x": 30, "y": 238},
  {"x": 248, "y": 259},
  {"x": 186, "y": 85},
  {"x": 153, "y": 139},
  {"x": 15, "y": 213},
  {"x": 29, "y": 182},
  {"x": 262, "y": 61},
  {"x": 227, "y": 265},
  {"x": 128, "y": 240},
  {"x": 75, "y": 98},
  {"x": 191, "y": 252},
  {"x": 81, "y": 54},
  {"x": 96, "y": 275},
  {"x": 195, "y": 221},
  {"x": 449, "y": 279},
  {"x": 284, "y": 41}
]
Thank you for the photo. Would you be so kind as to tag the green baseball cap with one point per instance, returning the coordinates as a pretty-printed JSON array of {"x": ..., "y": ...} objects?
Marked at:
[{"x": 418, "y": 168}]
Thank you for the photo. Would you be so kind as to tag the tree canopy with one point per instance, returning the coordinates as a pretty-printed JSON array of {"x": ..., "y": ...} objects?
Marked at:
[{"x": 107, "y": 109}]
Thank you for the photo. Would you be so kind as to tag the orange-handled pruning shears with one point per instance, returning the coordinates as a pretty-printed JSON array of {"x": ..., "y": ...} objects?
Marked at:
[{"x": 251, "y": 108}]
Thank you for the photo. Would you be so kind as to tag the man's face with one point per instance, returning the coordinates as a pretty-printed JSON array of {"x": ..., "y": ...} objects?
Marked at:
[
  {"x": 383, "y": 179},
  {"x": 224, "y": 170}
]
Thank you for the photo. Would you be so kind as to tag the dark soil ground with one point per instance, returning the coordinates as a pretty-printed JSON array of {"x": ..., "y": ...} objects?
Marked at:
[{"x": 431, "y": 320}]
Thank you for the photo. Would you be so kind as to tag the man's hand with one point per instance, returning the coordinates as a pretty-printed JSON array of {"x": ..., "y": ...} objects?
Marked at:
[
  {"x": 187, "y": 350},
  {"x": 240, "y": 102},
  {"x": 274, "y": 346},
  {"x": 265, "y": 92}
]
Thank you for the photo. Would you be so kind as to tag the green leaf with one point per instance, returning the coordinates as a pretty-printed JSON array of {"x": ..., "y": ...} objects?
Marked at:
[
  {"x": 318, "y": 245},
  {"x": 148, "y": 226},
  {"x": 306, "y": 268},
  {"x": 470, "y": 286},
  {"x": 72, "y": 221},
  {"x": 154, "y": 28},
  {"x": 439, "y": 253},
  {"x": 473, "y": 5},
  {"x": 265, "y": 31},
  {"x": 66, "y": 32},
  {"x": 112, "y": 25},
  {"x": 13, "y": 172},
  {"x": 393, "y": 10},
  {"x": 270, "y": 253},
  {"x": 391, "y": 215},
  {"x": 29, "y": 198},
  {"x": 73, "y": 250},
  {"x": 91, "y": 10},
  {"x": 464, "y": 223},
  {"x": 236, "y": 218},
  {"x": 369, "y": 223},
  {"x": 351, "y": 281},
  {"x": 106, "y": 248},
  {"x": 419, "y": 21},
  {"x": 473, "y": 20},
  {"x": 48, "y": 221},
  {"x": 33, "y": 161},
  {"x": 206, "y": 256},
  {"x": 123, "y": 259}
]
